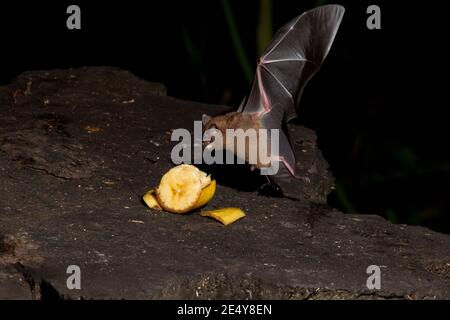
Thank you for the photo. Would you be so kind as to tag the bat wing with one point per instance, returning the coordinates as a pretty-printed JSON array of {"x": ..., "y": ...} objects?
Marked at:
[{"x": 294, "y": 55}]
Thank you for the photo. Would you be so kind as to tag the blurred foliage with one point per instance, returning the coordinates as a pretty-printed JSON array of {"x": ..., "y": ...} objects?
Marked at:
[
  {"x": 237, "y": 42},
  {"x": 265, "y": 28},
  {"x": 196, "y": 56}
]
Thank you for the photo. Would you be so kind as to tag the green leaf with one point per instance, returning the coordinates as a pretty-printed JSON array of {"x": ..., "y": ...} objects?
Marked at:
[{"x": 265, "y": 27}]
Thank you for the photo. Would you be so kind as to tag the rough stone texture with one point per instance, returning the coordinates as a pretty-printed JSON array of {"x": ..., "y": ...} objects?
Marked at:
[{"x": 78, "y": 148}]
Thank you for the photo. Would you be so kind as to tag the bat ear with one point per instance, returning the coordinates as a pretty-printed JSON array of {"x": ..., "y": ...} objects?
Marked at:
[{"x": 205, "y": 119}]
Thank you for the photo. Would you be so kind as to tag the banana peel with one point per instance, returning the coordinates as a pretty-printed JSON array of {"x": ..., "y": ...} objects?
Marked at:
[
  {"x": 150, "y": 200},
  {"x": 225, "y": 215},
  {"x": 206, "y": 195}
]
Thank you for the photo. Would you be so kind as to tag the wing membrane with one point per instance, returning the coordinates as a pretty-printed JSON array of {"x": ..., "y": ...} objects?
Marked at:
[{"x": 294, "y": 55}]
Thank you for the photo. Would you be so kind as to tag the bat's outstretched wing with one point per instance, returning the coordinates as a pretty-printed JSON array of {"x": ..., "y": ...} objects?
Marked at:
[{"x": 294, "y": 55}]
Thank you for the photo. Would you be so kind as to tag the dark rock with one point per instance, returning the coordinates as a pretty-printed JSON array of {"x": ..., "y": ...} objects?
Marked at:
[
  {"x": 78, "y": 148},
  {"x": 13, "y": 285}
]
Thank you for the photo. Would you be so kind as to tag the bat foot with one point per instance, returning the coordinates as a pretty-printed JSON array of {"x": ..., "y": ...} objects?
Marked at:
[
  {"x": 271, "y": 189},
  {"x": 306, "y": 179}
]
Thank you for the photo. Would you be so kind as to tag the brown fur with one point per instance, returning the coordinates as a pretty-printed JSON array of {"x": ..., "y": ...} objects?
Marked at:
[
  {"x": 237, "y": 120},
  {"x": 234, "y": 120}
]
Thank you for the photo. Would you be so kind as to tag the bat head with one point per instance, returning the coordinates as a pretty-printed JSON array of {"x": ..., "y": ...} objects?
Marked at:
[
  {"x": 231, "y": 120},
  {"x": 212, "y": 125}
]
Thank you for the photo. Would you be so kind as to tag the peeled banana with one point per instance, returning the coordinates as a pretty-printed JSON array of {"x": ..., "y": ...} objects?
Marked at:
[{"x": 182, "y": 189}]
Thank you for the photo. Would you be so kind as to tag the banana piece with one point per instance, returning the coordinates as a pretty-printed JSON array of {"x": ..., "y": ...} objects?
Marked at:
[
  {"x": 225, "y": 215},
  {"x": 150, "y": 200},
  {"x": 184, "y": 188}
]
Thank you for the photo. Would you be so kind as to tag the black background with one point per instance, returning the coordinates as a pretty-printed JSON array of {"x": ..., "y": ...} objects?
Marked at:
[{"x": 379, "y": 103}]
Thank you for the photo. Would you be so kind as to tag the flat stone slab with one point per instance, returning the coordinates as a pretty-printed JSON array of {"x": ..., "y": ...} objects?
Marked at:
[{"x": 78, "y": 148}]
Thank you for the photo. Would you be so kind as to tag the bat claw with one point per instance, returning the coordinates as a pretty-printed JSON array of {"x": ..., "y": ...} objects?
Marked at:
[{"x": 304, "y": 178}]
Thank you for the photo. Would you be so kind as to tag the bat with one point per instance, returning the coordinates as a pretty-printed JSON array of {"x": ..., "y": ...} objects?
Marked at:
[{"x": 294, "y": 55}]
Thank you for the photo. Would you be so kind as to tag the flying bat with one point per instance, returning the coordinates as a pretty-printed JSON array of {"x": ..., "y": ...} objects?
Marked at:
[{"x": 295, "y": 54}]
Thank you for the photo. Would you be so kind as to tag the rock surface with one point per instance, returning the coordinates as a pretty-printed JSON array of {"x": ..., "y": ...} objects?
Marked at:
[{"x": 78, "y": 148}]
